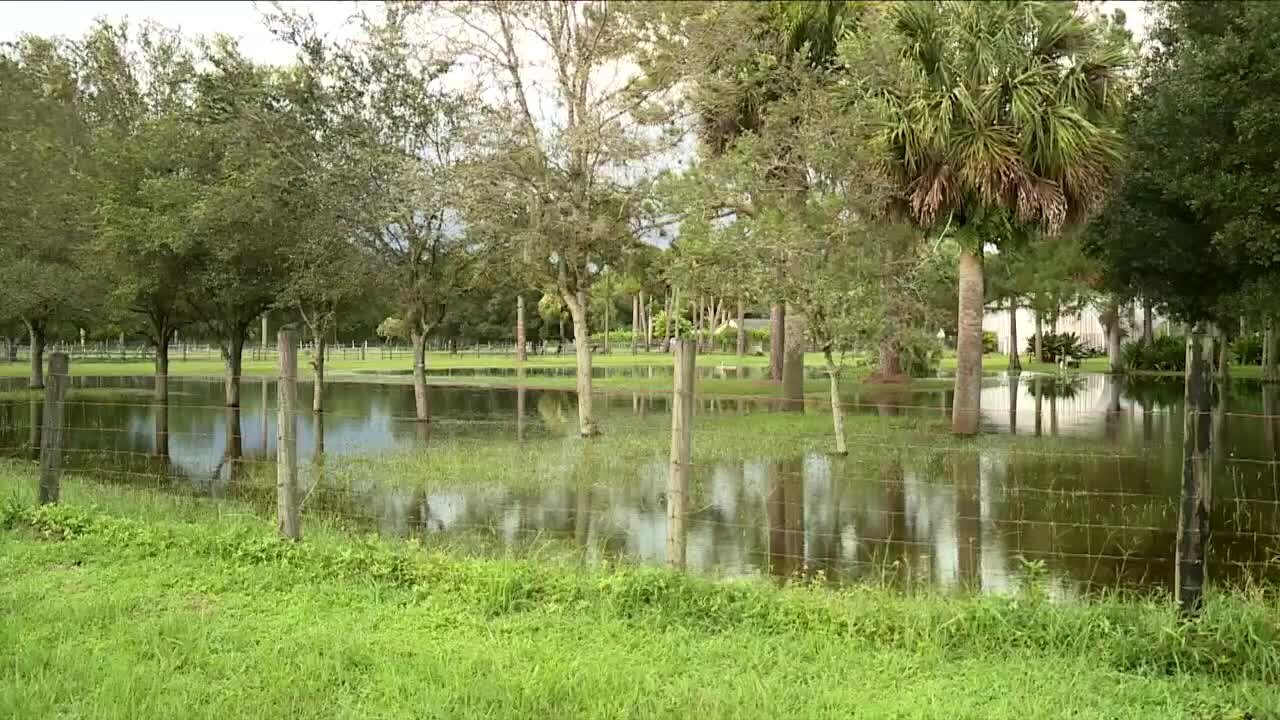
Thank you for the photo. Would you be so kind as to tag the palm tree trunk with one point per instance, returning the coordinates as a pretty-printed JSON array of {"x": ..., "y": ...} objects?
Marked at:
[
  {"x": 968, "y": 385},
  {"x": 1271, "y": 351},
  {"x": 1224, "y": 355},
  {"x": 777, "y": 338},
  {"x": 635, "y": 323},
  {"x": 1039, "y": 338},
  {"x": 421, "y": 410},
  {"x": 577, "y": 304},
  {"x": 742, "y": 330},
  {"x": 673, "y": 322},
  {"x": 1015, "y": 363},
  {"x": 1111, "y": 318},
  {"x": 793, "y": 360},
  {"x": 889, "y": 364},
  {"x": 837, "y": 412},
  {"x": 607, "y": 303},
  {"x": 521, "y": 354},
  {"x": 1148, "y": 335},
  {"x": 648, "y": 321}
]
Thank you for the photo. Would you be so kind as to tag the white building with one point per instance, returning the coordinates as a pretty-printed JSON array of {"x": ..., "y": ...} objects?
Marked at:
[{"x": 1086, "y": 324}]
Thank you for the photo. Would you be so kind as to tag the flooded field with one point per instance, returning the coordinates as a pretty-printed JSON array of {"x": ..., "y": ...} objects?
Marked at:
[{"x": 1077, "y": 479}]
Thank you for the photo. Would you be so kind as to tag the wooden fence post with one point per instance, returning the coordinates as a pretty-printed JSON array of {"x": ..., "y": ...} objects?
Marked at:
[
  {"x": 681, "y": 450},
  {"x": 51, "y": 439},
  {"x": 287, "y": 509},
  {"x": 1193, "y": 514}
]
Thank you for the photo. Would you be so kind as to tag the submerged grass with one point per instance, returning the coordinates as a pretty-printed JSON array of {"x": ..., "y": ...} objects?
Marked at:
[
  {"x": 166, "y": 618},
  {"x": 139, "y": 394}
]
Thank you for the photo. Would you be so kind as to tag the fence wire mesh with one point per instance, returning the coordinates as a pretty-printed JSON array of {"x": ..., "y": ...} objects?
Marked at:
[{"x": 1073, "y": 479}]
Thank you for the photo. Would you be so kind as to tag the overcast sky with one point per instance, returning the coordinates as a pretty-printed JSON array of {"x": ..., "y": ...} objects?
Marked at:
[{"x": 238, "y": 18}]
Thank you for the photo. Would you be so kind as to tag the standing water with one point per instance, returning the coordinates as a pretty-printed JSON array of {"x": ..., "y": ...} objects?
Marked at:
[{"x": 1090, "y": 492}]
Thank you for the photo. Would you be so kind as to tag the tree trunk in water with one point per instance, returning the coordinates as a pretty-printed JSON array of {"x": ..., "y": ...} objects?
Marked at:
[
  {"x": 646, "y": 319},
  {"x": 520, "y": 336},
  {"x": 1014, "y": 390},
  {"x": 1039, "y": 347},
  {"x": 1112, "y": 317},
  {"x": 1148, "y": 334},
  {"x": 1271, "y": 421},
  {"x": 1271, "y": 351},
  {"x": 36, "y": 331},
  {"x": 162, "y": 371},
  {"x": 607, "y": 306},
  {"x": 742, "y": 330},
  {"x": 1223, "y": 360},
  {"x": 233, "y": 357},
  {"x": 793, "y": 359},
  {"x": 578, "y": 309},
  {"x": 162, "y": 426},
  {"x": 967, "y": 406},
  {"x": 635, "y": 323},
  {"x": 673, "y": 321},
  {"x": 317, "y": 365},
  {"x": 837, "y": 412},
  {"x": 421, "y": 411},
  {"x": 777, "y": 338},
  {"x": 1015, "y": 362}
]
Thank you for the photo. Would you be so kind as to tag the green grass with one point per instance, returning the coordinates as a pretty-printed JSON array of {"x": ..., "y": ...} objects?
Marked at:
[
  {"x": 209, "y": 365},
  {"x": 104, "y": 617}
]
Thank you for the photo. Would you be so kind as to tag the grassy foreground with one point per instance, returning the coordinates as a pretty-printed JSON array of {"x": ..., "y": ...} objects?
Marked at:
[{"x": 108, "y": 617}]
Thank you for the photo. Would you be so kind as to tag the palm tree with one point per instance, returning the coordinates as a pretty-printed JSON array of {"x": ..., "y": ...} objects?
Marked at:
[{"x": 1004, "y": 116}]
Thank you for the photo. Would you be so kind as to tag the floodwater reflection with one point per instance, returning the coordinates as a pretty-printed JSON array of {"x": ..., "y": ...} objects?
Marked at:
[{"x": 968, "y": 517}]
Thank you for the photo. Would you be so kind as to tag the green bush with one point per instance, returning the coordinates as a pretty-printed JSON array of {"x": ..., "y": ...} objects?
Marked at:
[
  {"x": 727, "y": 341},
  {"x": 1165, "y": 353},
  {"x": 617, "y": 338},
  {"x": 921, "y": 354},
  {"x": 1056, "y": 345},
  {"x": 1247, "y": 349},
  {"x": 990, "y": 343},
  {"x": 683, "y": 325}
]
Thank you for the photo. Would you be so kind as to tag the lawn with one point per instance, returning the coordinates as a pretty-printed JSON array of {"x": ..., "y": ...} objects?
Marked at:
[{"x": 106, "y": 617}]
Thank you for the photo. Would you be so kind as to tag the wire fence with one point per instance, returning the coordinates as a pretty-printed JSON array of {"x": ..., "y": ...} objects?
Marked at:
[{"x": 1084, "y": 489}]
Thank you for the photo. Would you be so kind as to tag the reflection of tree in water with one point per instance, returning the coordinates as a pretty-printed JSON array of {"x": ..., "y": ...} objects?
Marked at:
[
  {"x": 785, "y": 512},
  {"x": 161, "y": 411},
  {"x": 1271, "y": 421},
  {"x": 965, "y": 474},
  {"x": 1060, "y": 386},
  {"x": 1014, "y": 390}
]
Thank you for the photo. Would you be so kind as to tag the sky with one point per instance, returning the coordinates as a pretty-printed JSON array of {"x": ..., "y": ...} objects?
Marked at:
[{"x": 239, "y": 18}]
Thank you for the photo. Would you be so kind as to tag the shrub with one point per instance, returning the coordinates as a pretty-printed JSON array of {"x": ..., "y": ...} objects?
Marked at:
[
  {"x": 1247, "y": 349},
  {"x": 989, "y": 342},
  {"x": 727, "y": 340},
  {"x": 1165, "y": 353},
  {"x": 921, "y": 353},
  {"x": 683, "y": 325},
  {"x": 617, "y": 338},
  {"x": 1056, "y": 345}
]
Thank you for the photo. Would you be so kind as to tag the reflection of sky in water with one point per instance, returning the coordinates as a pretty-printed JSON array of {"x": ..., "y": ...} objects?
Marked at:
[{"x": 907, "y": 522}]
